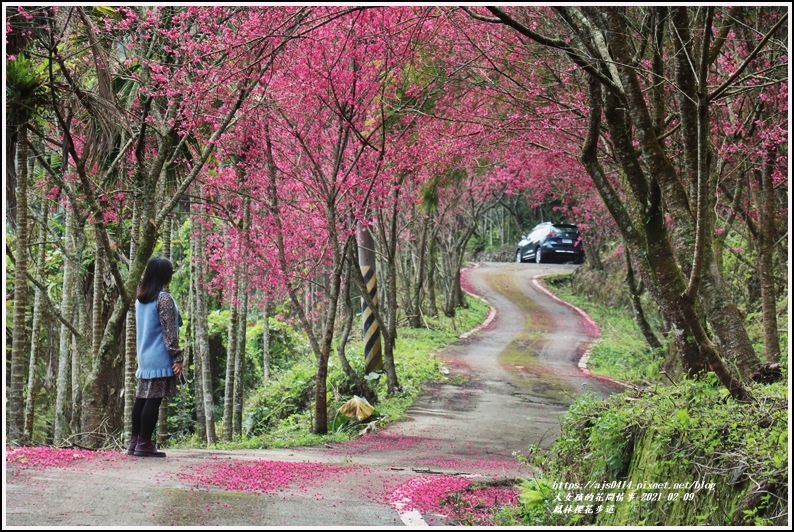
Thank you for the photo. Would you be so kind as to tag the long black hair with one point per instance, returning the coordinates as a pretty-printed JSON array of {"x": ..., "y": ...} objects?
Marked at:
[{"x": 157, "y": 275}]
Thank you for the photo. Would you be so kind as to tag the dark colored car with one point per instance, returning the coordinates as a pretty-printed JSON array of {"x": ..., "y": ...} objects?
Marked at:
[{"x": 549, "y": 242}]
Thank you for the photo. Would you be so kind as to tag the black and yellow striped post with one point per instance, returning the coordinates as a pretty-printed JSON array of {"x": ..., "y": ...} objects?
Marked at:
[{"x": 366, "y": 261}]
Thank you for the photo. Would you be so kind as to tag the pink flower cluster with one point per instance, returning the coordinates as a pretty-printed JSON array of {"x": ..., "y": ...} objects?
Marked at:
[
  {"x": 426, "y": 493},
  {"x": 45, "y": 457},
  {"x": 451, "y": 497},
  {"x": 259, "y": 476}
]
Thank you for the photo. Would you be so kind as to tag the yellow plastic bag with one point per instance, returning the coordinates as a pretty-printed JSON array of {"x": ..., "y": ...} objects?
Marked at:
[{"x": 358, "y": 407}]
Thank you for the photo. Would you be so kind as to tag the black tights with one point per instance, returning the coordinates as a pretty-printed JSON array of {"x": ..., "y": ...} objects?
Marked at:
[{"x": 144, "y": 416}]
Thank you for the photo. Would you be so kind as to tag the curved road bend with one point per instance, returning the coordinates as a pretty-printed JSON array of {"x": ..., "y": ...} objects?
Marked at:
[{"x": 519, "y": 374}]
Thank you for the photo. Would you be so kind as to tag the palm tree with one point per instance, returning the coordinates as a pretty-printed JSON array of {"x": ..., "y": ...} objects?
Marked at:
[{"x": 24, "y": 95}]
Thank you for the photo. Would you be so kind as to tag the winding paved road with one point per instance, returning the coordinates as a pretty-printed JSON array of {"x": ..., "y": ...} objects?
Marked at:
[{"x": 519, "y": 374}]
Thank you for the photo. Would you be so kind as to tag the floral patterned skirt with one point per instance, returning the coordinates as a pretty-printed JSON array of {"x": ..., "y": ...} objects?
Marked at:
[{"x": 154, "y": 388}]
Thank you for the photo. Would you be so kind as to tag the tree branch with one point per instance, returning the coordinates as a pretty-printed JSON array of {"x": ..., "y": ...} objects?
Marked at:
[{"x": 721, "y": 89}]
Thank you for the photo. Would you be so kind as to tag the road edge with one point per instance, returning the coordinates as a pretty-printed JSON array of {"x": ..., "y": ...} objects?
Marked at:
[
  {"x": 537, "y": 281},
  {"x": 491, "y": 312}
]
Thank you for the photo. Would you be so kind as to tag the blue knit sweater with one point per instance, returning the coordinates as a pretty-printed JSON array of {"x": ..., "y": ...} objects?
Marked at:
[{"x": 154, "y": 361}]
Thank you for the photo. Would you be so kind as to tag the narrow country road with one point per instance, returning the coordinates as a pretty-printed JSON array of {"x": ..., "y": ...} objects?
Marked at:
[{"x": 512, "y": 379}]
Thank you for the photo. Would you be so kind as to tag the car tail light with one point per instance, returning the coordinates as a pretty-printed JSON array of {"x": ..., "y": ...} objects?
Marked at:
[{"x": 552, "y": 233}]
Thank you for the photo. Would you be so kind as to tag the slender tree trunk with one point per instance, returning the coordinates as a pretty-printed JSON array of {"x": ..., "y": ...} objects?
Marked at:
[
  {"x": 97, "y": 304},
  {"x": 77, "y": 351},
  {"x": 198, "y": 391},
  {"x": 242, "y": 297},
  {"x": 415, "y": 319},
  {"x": 765, "y": 200},
  {"x": 635, "y": 290},
  {"x": 198, "y": 382},
  {"x": 61, "y": 425},
  {"x": 35, "y": 338},
  {"x": 239, "y": 366},
  {"x": 162, "y": 416},
  {"x": 231, "y": 358},
  {"x": 81, "y": 344},
  {"x": 448, "y": 281},
  {"x": 390, "y": 289},
  {"x": 14, "y": 399},
  {"x": 266, "y": 340},
  {"x": 130, "y": 343},
  {"x": 432, "y": 262},
  {"x": 404, "y": 279},
  {"x": 202, "y": 334},
  {"x": 460, "y": 297}
]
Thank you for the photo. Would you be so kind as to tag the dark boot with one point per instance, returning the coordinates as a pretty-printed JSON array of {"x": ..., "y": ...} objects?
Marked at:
[
  {"x": 146, "y": 448},
  {"x": 132, "y": 445}
]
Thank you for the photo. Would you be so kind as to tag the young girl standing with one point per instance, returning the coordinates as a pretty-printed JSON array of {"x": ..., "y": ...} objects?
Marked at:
[{"x": 159, "y": 355}]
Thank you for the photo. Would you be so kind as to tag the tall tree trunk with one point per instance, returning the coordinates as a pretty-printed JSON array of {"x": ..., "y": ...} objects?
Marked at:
[
  {"x": 198, "y": 400},
  {"x": 447, "y": 275},
  {"x": 765, "y": 200},
  {"x": 266, "y": 340},
  {"x": 415, "y": 318},
  {"x": 77, "y": 351},
  {"x": 242, "y": 297},
  {"x": 231, "y": 357},
  {"x": 199, "y": 243},
  {"x": 97, "y": 303},
  {"x": 14, "y": 399},
  {"x": 162, "y": 417},
  {"x": 198, "y": 383},
  {"x": 432, "y": 267},
  {"x": 35, "y": 338},
  {"x": 81, "y": 344},
  {"x": 362, "y": 389},
  {"x": 388, "y": 265},
  {"x": 61, "y": 425},
  {"x": 130, "y": 342},
  {"x": 239, "y": 365}
]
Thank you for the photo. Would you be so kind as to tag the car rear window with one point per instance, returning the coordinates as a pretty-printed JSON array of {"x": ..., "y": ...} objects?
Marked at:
[{"x": 565, "y": 229}]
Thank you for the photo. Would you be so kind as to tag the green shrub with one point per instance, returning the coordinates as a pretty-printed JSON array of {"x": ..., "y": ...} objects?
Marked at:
[{"x": 674, "y": 434}]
